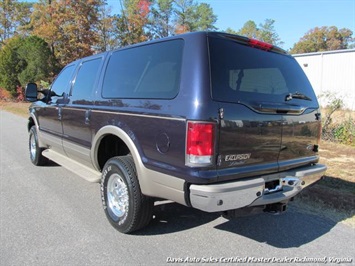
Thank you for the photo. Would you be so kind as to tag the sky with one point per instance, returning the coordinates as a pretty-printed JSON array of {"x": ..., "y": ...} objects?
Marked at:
[{"x": 293, "y": 18}]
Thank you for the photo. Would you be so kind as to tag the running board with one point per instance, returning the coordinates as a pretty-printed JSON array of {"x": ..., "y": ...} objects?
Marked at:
[{"x": 81, "y": 170}]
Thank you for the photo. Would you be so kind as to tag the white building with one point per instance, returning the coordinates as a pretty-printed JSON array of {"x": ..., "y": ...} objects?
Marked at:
[{"x": 331, "y": 71}]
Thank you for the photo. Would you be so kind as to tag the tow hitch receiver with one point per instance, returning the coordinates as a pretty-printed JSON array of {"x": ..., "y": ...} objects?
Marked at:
[
  {"x": 275, "y": 208},
  {"x": 278, "y": 184}
]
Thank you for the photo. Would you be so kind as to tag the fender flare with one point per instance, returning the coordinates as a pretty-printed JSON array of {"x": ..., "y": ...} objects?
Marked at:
[
  {"x": 152, "y": 183},
  {"x": 118, "y": 132},
  {"x": 35, "y": 121}
]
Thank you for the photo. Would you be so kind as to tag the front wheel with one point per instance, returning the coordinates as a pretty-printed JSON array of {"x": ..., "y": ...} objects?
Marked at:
[
  {"x": 125, "y": 206},
  {"x": 36, "y": 156}
]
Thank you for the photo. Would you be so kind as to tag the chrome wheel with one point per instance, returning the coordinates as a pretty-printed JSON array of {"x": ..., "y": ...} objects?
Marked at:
[
  {"x": 126, "y": 208},
  {"x": 33, "y": 146},
  {"x": 35, "y": 151},
  {"x": 117, "y": 195}
]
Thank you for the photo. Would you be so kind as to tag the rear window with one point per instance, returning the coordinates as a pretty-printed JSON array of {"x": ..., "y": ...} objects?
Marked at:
[
  {"x": 149, "y": 72},
  {"x": 240, "y": 73}
]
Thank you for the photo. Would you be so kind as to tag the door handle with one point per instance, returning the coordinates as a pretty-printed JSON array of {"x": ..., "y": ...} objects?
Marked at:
[
  {"x": 87, "y": 117},
  {"x": 59, "y": 113}
]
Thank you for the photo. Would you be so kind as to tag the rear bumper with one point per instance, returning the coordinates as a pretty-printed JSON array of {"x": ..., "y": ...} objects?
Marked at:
[{"x": 252, "y": 192}]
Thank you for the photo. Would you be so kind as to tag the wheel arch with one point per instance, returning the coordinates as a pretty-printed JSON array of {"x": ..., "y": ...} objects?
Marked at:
[
  {"x": 32, "y": 121},
  {"x": 152, "y": 183},
  {"x": 121, "y": 136}
]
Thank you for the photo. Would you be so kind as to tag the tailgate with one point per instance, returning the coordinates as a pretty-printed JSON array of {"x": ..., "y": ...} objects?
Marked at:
[
  {"x": 300, "y": 139},
  {"x": 249, "y": 143}
]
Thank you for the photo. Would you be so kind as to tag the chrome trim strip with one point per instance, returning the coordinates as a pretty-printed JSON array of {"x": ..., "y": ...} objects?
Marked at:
[
  {"x": 91, "y": 107},
  {"x": 140, "y": 115}
]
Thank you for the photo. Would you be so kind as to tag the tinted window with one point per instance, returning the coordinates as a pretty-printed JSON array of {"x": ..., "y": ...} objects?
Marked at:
[
  {"x": 150, "y": 71},
  {"x": 62, "y": 82},
  {"x": 85, "y": 79},
  {"x": 243, "y": 73}
]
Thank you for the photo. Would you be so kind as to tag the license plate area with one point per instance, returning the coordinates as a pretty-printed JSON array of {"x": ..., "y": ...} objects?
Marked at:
[{"x": 273, "y": 186}]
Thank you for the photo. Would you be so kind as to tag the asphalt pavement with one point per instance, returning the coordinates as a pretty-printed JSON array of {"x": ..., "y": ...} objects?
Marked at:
[{"x": 50, "y": 216}]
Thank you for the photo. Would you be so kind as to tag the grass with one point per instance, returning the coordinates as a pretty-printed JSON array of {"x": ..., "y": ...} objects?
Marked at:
[
  {"x": 332, "y": 197},
  {"x": 18, "y": 108}
]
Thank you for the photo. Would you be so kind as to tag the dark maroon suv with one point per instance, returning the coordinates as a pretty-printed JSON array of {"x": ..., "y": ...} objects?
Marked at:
[{"x": 218, "y": 122}]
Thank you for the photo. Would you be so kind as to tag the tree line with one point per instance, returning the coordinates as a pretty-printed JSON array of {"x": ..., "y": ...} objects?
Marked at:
[{"x": 38, "y": 39}]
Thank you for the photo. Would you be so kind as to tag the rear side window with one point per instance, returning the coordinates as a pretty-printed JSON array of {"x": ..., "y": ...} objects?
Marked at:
[
  {"x": 85, "y": 79},
  {"x": 241, "y": 73},
  {"x": 150, "y": 71}
]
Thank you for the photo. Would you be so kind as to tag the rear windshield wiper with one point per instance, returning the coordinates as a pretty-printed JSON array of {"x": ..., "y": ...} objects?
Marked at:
[{"x": 297, "y": 95}]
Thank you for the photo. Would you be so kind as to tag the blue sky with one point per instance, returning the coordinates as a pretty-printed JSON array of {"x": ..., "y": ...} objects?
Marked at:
[{"x": 293, "y": 18}]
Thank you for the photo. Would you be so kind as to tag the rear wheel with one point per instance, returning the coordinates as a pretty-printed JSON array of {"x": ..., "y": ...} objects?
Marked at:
[
  {"x": 125, "y": 206},
  {"x": 35, "y": 151}
]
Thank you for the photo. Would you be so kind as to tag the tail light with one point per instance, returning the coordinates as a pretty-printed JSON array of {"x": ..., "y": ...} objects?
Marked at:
[
  {"x": 200, "y": 139},
  {"x": 261, "y": 45}
]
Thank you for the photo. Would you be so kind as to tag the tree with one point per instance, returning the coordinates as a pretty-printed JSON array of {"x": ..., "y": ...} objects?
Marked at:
[
  {"x": 105, "y": 30},
  {"x": 265, "y": 32},
  {"x": 11, "y": 64},
  {"x": 169, "y": 17},
  {"x": 324, "y": 39},
  {"x": 136, "y": 19},
  {"x": 161, "y": 22},
  {"x": 190, "y": 16},
  {"x": 23, "y": 60},
  {"x": 203, "y": 18},
  {"x": 40, "y": 62},
  {"x": 249, "y": 30},
  {"x": 131, "y": 25},
  {"x": 13, "y": 16},
  {"x": 68, "y": 27},
  {"x": 183, "y": 15}
]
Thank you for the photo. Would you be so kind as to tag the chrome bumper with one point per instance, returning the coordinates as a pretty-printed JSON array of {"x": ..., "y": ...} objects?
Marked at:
[{"x": 252, "y": 192}]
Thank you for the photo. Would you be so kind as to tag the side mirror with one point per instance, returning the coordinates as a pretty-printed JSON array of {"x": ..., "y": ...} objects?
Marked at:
[{"x": 31, "y": 92}]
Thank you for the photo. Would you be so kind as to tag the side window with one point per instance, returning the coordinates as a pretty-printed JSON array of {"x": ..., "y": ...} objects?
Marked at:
[
  {"x": 85, "y": 80},
  {"x": 62, "y": 82},
  {"x": 150, "y": 71}
]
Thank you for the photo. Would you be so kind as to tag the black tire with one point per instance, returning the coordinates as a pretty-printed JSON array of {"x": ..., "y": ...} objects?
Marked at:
[
  {"x": 36, "y": 156},
  {"x": 125, "y": 206}
]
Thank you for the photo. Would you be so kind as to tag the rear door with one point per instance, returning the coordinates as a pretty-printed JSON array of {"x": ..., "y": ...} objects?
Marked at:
[
  {"x": 77, "y": 114},
  {"x": 259, "y": 125}
]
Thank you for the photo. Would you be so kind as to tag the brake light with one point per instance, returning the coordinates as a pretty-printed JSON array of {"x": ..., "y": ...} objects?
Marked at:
[
  {"x": 199, "y": 143},
  {"x": 261, "y": 45}
]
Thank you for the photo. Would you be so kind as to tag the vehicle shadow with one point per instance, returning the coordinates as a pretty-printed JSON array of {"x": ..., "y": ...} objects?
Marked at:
[
  {"x": 293, "y": 228},
  {"x": 50, "y": 163},
  {"x": 170, "y": 217}
]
